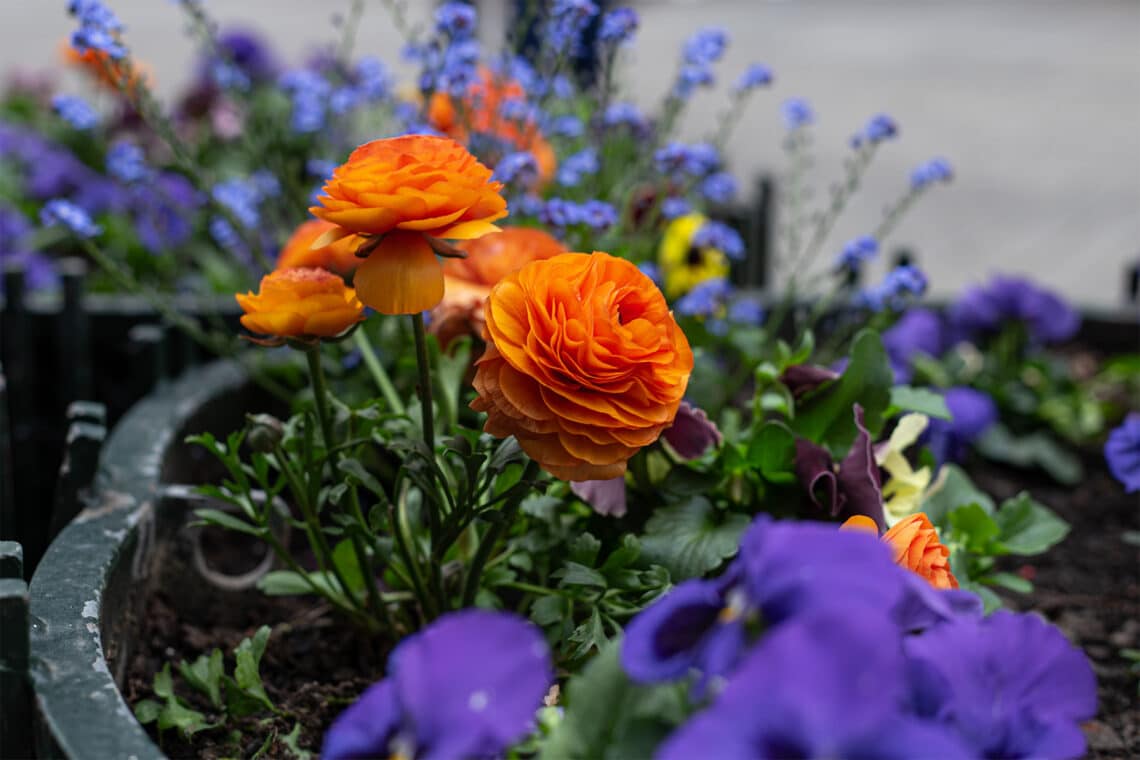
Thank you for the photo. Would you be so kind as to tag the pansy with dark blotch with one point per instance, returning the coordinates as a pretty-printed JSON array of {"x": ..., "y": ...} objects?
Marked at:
[
  {"x": 854, "y": 487},
  {"x": 972, "y": 413},
  {"x": 917, "y": 332},
  {"x": 1009, "y": 684},
  {"x": 828, "y": 684},
  {"x": 468, "y": 685},
  {"x": 983, "y": 309},
  {"x": 1122, "y": 452}
]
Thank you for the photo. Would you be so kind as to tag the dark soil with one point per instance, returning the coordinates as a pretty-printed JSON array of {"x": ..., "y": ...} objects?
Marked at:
[
  {"x": 1089, "y": 585},
  {"x": 314, "y": 666}
]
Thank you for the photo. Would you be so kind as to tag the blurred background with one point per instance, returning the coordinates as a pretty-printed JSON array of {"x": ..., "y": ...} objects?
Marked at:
[{"x": 1036, "y": 104}]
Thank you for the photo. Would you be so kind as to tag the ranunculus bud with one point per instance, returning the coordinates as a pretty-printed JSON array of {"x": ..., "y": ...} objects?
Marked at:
[{"x": 265, "y": 433}]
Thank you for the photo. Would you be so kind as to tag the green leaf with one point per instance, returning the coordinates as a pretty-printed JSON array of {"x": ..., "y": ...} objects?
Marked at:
[
  {"x": 584, "y": 549},
  {"x": 772, "y": 451},
  {"x": 1028, "y": 527},
  {"x": 246, "y": 672},
  {"x": 904, "y": 398},
  {"x": 974, "y": 528},
  {"x": 547, "y": 610},
  {"x": 1037, "y": 449},
  {"x": 292, "y": 742},
  {"x": 205, "y": 675},
  {"x": 147, "y": 711},
  {"x": 344, "y": 557},
  {"x": 957, "y": 491},
  {"x": 238, "y": 703},
  {"x": 608, "y": 717},
  {"x": 174, "y": 713},
  {"x": 228, "y": 521},
  {"x": 1009, "y": 581},
  {"x": 354, "y": 469},
  {"x": 828, "y": 419},
  {"x": 692, "y": 538},
  {"x": 588, "y": 636},
  {"x": 574, "y": 574}
]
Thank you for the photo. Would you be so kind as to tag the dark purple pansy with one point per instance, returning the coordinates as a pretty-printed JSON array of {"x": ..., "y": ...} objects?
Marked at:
[
  {"x": 692, "y": 432},
  {"x": 802, "y": 379},
  {"x": 1122, "y": 452},
  {"x": 988, "y": 308},
  {"x": 1010, "y": 685},
  {"x": 607, "y": 497},
  {"x": 852, "y": 488},
  {"x": 972, "y": 413},
  {"x": 828, "y": 684},
  {"x": 918, "y": 331},
  {"x": 468, "y": 685}
]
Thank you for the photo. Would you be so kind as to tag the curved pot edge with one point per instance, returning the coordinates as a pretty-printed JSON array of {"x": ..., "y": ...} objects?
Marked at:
[{"x": 80, "y": 710}]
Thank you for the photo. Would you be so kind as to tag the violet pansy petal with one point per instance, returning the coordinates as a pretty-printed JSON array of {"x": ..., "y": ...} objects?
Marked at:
[
  {"x": 859, "y": 478},
  {"x": 1122, "y": 452},
  {"x": 815, "y": 473},
  {"x": 367, "y": 727},
  {"x": 607, "y": 497},
  {"x": 692, "y": 432},
  {"x": 663, "y": 642},
  {"x": 802, "y": 379}
]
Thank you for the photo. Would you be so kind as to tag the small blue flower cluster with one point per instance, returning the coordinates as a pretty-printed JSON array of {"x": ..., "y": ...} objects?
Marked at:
[
  {"x": 880, "y": 127},
  {"x": 755, "y": 76},
  {"x": 695, "y": 160},
  {"x": 561, "y": 213},
  {"x": 456, "y": 20},
  {"x": 520, "y": 167},
  {"x": 578, "y": 165},
  {"x": 309, "y": 92},
  {"x": 719, "y": 187},
  {"x": 706, "y": 299},
  {"x": 713, "y": 234},
  {"x": 618, "y": 26},
  {"x": 567, "y": 125},
  {"x": 63, "y": 213},
  {"x": 856, "y": 253},
  {"x": 16, "y": 248},
  {"x": 933, "y": 171},
  {"x": 126, "y": 162},
  {"x": 624, "y": 114},
  {"x": 797, "y": 113},
  {"x": 99, "y": 29},
  {"x": 565, "y": 24},
  {"x": 897, "y": 289},
  {"x": 701, "y": 51},
  {"x": 75, "y": 111},
  {"x": 855, "y": 657},
  {"x": 671, "y": 208}
]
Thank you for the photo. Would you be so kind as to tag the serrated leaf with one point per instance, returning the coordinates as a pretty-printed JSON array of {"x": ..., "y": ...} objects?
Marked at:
[
  {"x": 904, "y": 398},
  {"x": 575, "y": 574},
  {"x": 584, "y": 549},
  {"x": 827, "y": 418},
  {"x": 1028, "y": 527},
  {"x": 205, "y": 675},
  {"x": 957, "y": 490},
  {"x": 974, "y": 528},
  {"x": 588, "y": 636},
  {"x": 692, "y": 538},
  {"x": 1037, "y": 449},
  {"x": 147, "y": 711},
  {"x": 547, "y": 610},
  {"x": 246, "y": 672},
  {"x": 292, "y": 742}
]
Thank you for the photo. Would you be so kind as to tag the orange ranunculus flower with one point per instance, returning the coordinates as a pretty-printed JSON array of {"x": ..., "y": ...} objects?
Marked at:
[
  {"x": 584, "y": 365},
  {"x": 406, "y": 188},
  {"x": 304, "y": 302},
  {"x": 481, "y": 113},
  {"x": 915, "y": 546},
  {"x": 107, "y": 71},
  {"x": 468, "y": 281},
  {"x": 339, "y": 256}
]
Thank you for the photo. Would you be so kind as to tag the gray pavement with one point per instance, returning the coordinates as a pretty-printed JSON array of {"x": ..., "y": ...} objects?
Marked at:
[{"x": 1035, "y": 102}]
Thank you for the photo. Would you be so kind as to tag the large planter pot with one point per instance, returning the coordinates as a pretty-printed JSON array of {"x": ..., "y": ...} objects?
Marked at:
[{"x": 89, "y": 590}]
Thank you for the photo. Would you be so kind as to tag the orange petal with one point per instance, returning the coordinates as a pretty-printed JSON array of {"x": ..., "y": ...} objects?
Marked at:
[
  {"x": 402, "y": 276},
  {"x": 860, "y": 522}
]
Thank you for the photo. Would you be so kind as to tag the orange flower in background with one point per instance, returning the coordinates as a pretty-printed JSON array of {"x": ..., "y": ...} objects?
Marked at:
[
  {"x": 338, "y": 256},
  {"x": 481, "y": 113},
  {"x": 468, "y": 281},
  {"x": 406, "y": 188},
  {"x": 105, "y": 70},
  {"x": 915, "y": 545},
  {"x": 584, "y": 364},
  {"x": 303, "y": 302}
]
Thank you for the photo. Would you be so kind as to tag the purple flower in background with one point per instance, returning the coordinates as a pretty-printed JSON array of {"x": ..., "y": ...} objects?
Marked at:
[
  {"x": 468, "y": 685},
  {"x": 756, "y": 75},
  {"x": 618, "y": 26},
  {"x": 918, "y": 331},
  {"x": 163, "y": 212},
  {"x": 75, "y": 111},
  {"x": 879, "y": 128},
  {"x": 577, "y": 165},
  {"x": 692, "y": 432},
  {"x": 988, "y": 308},
  {"x": 720, "y": 236},
  {"x": 63, "y": 213},
  {"x": 99, "y": 28},
  {"x": 973, "y": 413},
  {"x": 521, "y": 167},
  {"x": 1122, "y": 452},
  {"x": 566, "y": 21},
  {"x": 802, "y": 379},
  {"x": 558, "y": 212},
  {"x": 606, "y": 497},
  {"x": 39, "y": 272},
  {"x": 565, "y": 126},
  {"x": 829, "y": 684},
  {"x": 696, "y": 160},
  {"x": 797, "y": 113},
  {"x": 624, "y": 114},
  {"x": 705, "y": 299},
  {"x": 1009, "y": 684},
  {"x": 126, "y": 163},
  {"x": 598, "y": 215},
  {"x": 933, "y": 171},
  {"x": 746, "y": 311},
  {"x": 250, "y": 53},
  {"x": 671, "y": 208},
  {"x": 706, "y": 46},
  {"x": 719, "y": 187},
  {"x": 900, "y": 285},
  {"x": 853, "y": 487},
  {"x": 857, "y": 252},
  {"x": 456, "y": 20},
  {"x": 371, "y": 78},
  {"x": 689, "y": 78},
  {"x": 309, "y": 92}
]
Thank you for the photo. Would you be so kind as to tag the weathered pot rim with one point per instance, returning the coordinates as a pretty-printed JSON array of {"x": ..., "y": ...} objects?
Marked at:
[{"x": 79, "y": 708}]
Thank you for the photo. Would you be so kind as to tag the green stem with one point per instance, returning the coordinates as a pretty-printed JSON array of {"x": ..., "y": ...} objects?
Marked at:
[
  {"x": 379, "y": 374},
  {"x": 402, "y": 533},
  {"x": 494, "y": 533},
  {"x": 425, "y": 381}
]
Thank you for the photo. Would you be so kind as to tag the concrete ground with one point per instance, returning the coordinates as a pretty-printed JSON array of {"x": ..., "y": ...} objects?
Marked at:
[{"x": 1035, "y": 102}]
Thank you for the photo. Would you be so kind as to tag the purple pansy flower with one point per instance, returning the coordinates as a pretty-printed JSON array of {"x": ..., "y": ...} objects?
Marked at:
[
  {"x": 918, "y": 331},
  {"x": 830, "y": 684},
  {"x": 802, "y": 379},
  {"x": 972, "y": 413},
  {"x": 983, "y": 309},
  {"x": 606, "y": 497},
  {"x": 692, "y": 432},
  {"x": 1122, "y": 452},
  {"x": 468, "y": 685},
  {"x": 1010, "y": 684}
]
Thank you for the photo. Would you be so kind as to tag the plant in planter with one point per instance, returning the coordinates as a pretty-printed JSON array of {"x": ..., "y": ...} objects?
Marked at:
[{"x": 631, "y": 525}]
